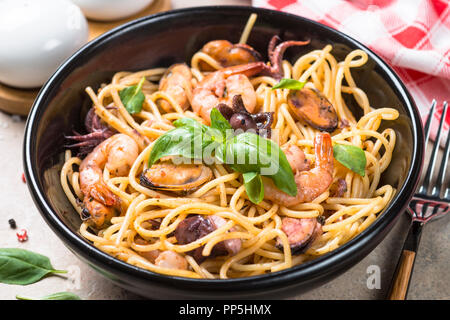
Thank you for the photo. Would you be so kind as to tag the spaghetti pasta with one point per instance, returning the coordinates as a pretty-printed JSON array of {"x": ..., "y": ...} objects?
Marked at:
[{"x": 265, "y": 247}]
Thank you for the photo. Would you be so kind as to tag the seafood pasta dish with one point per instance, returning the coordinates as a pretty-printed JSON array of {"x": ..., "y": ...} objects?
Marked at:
[{"x": 230, "y": 165}]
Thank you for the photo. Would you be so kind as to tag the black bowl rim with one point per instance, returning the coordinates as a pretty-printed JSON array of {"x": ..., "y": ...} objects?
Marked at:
[{"x": 304, "y": 271}]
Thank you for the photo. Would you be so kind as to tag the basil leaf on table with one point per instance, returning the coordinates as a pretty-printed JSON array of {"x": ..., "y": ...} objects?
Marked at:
[
  {"x": 289, "y": 84},
  {"x": 132, "y": 97},
  {"x": 54, "y": 296},
  {"x": 19, "y": 266},
  {"x": 249, "y": 152},
  {"x": 351, "y": 157},
  {"x": 253, "y": 186}
]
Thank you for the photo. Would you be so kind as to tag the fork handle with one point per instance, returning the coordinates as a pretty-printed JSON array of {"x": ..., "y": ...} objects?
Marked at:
[{"x": 403, "y": 271}]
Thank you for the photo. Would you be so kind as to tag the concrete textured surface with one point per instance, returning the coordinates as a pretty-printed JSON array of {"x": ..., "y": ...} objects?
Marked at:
[{"x": 430, "y": 280}]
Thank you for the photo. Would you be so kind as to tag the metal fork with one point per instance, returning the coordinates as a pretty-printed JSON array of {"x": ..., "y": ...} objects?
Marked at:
[{"x": 425, "y": 205}]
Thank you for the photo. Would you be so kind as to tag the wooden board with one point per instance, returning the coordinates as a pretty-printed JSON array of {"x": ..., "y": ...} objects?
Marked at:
[{"x": 19, "y": 101}]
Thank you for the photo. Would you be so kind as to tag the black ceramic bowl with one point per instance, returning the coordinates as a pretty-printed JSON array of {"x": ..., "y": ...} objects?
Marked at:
[{"x": 174, "y": 36}]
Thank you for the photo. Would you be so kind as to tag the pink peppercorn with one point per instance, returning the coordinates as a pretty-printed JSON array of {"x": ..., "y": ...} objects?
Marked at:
[{"x": 22, "y": 235}]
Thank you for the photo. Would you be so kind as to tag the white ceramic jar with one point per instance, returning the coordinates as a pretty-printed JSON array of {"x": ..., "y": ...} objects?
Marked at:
[
  {"x": 108, "y": 10},
  {"x": 36, "y": 36}
]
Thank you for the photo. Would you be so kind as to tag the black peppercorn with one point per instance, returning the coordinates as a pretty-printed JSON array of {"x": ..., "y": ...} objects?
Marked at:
[{"x": 12, "y": 223}]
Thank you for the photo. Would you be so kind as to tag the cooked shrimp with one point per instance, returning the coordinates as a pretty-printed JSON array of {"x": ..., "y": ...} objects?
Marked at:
[
  {"x": 176, "y": 82},
  {"x": 149, "y": 255},
  {"x": 171, "y": 260},
  {"x": 221, "y": 86},
  {"x": 229, "y": 54},
  {"x": 117, "y": 154},
  {"x": 312, "y": 183},
  {"x": 301, "y": 233},
  {"x": 165, "y": 259},
  {"x": 296, "y": 158}
]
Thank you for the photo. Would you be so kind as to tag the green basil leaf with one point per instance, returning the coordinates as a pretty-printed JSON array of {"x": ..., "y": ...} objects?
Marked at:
[
  {"x": 222, "y": 132},
  {"x": 189, "y": 122},
  {"x": 351, "y": 157},
  {"x": 190, "y": 139},
  {"x": 54, "y": 296},
  {"x": 187, "y": 142},
  {"x": 19, "y": 266},
  {"x": 133, "y": 97},
  {"x": 219, "y": 122},
  {"x": 220, "y": 152},
  {"x": 249, "y": 152},
  {"x": 254, "y": 186},
  {"x": 289, "y": 84},
  {"x": 284, "y": 179},
  {"x": 208, "y": 133}
]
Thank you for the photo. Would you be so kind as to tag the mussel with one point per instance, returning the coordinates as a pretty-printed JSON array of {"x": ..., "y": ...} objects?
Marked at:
[
  {"x": 180, "y": 178},
  {"x": 314, "y": 108},
  {"x": 229, "y": 54}
]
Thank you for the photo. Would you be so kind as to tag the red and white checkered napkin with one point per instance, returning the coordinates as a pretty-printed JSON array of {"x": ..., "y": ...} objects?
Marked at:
[{"x": 413, "y": 36}]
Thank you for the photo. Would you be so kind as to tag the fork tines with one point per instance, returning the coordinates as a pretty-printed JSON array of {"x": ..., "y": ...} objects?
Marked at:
[
  {"x": 423, "y": 190},
  {"x": 432, "y": 203}
]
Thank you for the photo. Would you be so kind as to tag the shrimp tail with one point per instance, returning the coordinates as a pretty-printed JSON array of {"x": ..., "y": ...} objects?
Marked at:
[
  {"x": 100, "y": 204},
  {"x": 105, "y": 196},
  {"x": 98, "y": 214},
  {"x": 323, "y": 148},
  {"x": 249, "y": 69}
]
